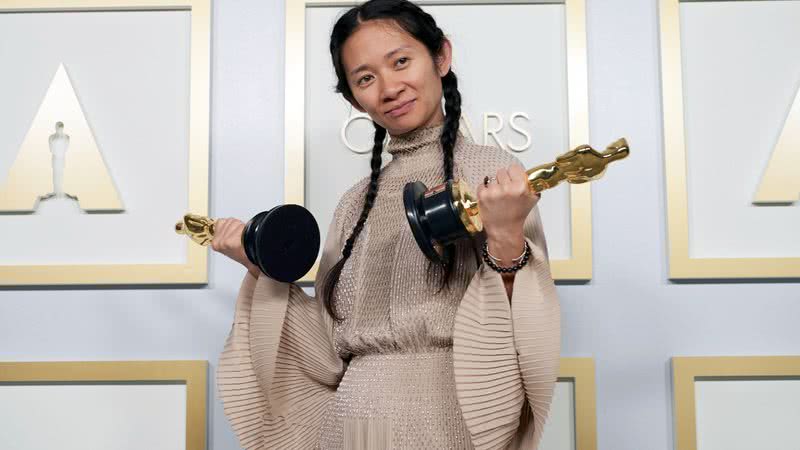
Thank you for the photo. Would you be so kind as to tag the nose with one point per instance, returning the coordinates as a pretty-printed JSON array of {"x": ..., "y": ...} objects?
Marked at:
[{"x": 392, "y": 88}]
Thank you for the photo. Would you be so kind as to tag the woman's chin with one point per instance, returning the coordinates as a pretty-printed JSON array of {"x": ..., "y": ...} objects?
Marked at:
[{"x": 403, "y": 125}]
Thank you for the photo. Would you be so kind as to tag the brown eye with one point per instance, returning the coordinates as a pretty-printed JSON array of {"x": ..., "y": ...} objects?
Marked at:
[
  {"x": 402, "y": 60},
  {"x": 363, "y": 78}
]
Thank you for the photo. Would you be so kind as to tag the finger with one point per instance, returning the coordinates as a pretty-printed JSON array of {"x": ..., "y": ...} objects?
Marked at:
[
  {"x": 221, "y": 233},
  {"x": 516, "y": 172},
  {"x": 486, "y": 193},
  {"x": 238, "y": 226},
  {"x": 215, "y": 240},
  {"x": 518, "y": 184},
  {"x": 485, "y": 182},
  {"x": 234, "y": 231},
  {"x": 219, "y": 227},
  {"x": 230, "y": 227},
  {"x": 502, "y": 176},
  {"x": 219, "y": 230},
  {"x": 480, "y": 192}
]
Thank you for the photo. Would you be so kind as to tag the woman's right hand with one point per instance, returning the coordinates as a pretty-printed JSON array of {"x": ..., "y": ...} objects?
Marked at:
[{"x": 228, "y": 241}]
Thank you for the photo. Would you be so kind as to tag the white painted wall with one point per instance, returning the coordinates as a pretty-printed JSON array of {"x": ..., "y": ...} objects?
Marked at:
[{"x": 630, "y": 318}]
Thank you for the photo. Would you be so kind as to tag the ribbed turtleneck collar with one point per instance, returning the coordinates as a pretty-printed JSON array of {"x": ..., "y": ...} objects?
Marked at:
[{"x": 411, "y": 142}]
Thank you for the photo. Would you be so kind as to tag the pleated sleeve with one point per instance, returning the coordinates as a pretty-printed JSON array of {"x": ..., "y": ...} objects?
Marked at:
[
  {"x": 278, "y": 369},
  {"x": 506, "y": 354}
]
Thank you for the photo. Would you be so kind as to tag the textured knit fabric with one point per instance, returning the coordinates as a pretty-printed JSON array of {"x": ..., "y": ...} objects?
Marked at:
[{"x": 408, "y": 367}]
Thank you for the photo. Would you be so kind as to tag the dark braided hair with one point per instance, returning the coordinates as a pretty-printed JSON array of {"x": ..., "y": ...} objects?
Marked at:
[{"x": 423, "y": 28}]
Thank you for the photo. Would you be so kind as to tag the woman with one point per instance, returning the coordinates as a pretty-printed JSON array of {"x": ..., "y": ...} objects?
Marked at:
[{"x": 396, "y": 352}]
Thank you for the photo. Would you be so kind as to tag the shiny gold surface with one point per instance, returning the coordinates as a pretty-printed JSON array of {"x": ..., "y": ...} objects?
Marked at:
[
  {"x": 192, "y": 373},
  {"x": 194, "y": 270},
  {"x": 686, "y": 370},
  {"x": 681, "y": 265},
  {"x": 579, "y": 265},
  {"x": 577, "y": 166},
  {"x": 467, "y": 206},
  {"x": 199, "y": 228}
]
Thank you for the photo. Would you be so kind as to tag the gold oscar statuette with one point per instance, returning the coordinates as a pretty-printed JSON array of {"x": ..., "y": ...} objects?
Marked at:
[
  {"x": 448, "y": 212},
  {"x": 283, "y": 242}
]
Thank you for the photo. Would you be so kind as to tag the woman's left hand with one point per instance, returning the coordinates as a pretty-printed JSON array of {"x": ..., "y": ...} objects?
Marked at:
[{"x": 505, "y": 204}]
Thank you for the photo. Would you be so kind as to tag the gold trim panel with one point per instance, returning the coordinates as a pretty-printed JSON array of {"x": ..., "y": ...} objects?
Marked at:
[
  {"x": 580, "y": 371},
  {"x": 686, "y": 369},
  {"x": 681, "y": 265},
  {"x": 195, "y": 269},
  {"x": 192, "y": 373}
]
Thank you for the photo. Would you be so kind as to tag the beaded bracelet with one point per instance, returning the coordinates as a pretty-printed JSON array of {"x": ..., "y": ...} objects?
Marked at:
[
  {"x": 526, "y": 256},
  {"x": 496, "y": 260}
]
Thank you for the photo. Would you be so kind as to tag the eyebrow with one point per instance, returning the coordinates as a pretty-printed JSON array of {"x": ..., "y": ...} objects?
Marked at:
[{"x": 387, "y": 56}]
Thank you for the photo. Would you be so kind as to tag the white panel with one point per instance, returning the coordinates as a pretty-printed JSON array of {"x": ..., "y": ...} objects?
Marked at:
[
  {"x": 747, "y": 415},
  {"x": 559, "y": 433},
  {"x": 494, "y": 76},
  {"x": 131, "y": 74},
  {"x": 739, "y": 83},
  {"x": 93, "y": 417}
]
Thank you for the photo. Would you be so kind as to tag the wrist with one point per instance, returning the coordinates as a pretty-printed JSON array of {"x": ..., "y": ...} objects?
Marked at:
[
  {"x": 506, "y": 232},
  {"x": 506, "y": 246}
]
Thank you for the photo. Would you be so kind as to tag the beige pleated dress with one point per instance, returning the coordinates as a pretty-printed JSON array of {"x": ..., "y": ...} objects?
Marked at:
[{"x": 458, "y": 369}]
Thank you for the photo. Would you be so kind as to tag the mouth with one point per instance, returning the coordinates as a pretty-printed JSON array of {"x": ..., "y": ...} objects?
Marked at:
[{"x": 402, "y": 109}]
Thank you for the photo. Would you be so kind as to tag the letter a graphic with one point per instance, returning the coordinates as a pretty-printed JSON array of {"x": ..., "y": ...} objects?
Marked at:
[
  {"x": 781, "y": 180},
  {"x": 85, "y": 175}
]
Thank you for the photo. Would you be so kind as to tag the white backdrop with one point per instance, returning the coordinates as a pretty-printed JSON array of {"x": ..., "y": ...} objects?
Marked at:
[
  {"x": 629, "y": 317},
  {"x": 86, "y": 416},
  {"x": 747, "y": 414}
]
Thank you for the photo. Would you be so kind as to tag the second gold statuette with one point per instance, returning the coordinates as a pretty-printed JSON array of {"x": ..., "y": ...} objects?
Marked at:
[
  {"x": 283, "y": 242},
  {"x": 445, "y": 213}
]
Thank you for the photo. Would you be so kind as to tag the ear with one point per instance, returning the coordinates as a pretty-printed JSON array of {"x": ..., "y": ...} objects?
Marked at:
[{"x": 445, "y": 58}]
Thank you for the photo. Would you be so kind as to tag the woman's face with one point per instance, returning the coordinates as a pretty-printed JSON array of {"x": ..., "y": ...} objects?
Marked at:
[{"x": 393, "y": 78}]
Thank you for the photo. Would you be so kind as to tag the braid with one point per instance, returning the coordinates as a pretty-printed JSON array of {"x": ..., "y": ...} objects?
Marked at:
[
  {"x": 332, "y": 277},
  {"x": 452, "y": 118},
  {"x": 452, "y": 111}
]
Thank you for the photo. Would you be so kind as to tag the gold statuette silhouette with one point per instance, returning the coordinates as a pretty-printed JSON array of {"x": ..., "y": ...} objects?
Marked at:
[{"x": 445, "y": 213}]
